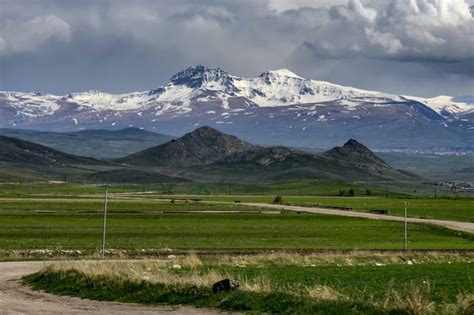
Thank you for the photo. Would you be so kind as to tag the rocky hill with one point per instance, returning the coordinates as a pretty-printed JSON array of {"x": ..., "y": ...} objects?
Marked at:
[
  {"x": 204, "y": 145},
  {"x": 208, "y": 151}
]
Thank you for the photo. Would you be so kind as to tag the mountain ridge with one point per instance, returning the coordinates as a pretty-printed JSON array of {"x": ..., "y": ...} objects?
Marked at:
[
  {"x": 276, "y": 104},
  {"x": 201, "y": 155},
  {"x": 211, "y": 151},
  {"x": 13, "y": 150},
  {"x": 96, "y": 143},
  {"x": 209, "y": 79}
]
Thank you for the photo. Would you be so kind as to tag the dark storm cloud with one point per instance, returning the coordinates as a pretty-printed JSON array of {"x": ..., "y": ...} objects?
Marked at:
[{"x": 402, "y": 46}]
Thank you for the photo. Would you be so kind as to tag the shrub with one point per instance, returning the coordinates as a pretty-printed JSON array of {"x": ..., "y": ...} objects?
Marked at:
[
  {"x": 369, "y": 192},
  {"x": 278, "y": 199},
  {"x": 351, "y": 192},
  {"x": 342, "y": 192}
]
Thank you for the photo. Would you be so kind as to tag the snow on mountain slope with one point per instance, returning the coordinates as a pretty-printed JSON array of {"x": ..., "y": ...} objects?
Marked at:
[
  {"x": 196, "y": 85},
  {"x": 444, "y": 105},
  {"x": 283, "y": 87},
  {"x": 104, "y": 101},
  {"x": 31, "y": 104},
  {"x": 272, "y": 88}
]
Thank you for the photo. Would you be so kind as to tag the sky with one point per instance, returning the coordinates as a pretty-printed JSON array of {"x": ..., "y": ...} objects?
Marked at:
[{"x": 410, "y": 47}]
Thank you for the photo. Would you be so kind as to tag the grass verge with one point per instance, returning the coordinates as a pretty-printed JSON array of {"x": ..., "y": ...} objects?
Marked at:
[{"x": 279, "y": 283}]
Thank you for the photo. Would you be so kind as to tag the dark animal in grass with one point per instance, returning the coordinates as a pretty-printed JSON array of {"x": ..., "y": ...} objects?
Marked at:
[{"x": 225, "y": 285}]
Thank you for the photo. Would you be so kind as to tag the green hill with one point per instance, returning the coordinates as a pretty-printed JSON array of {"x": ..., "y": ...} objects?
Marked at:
[
  {"x": 210, "y": 155},
  {"x": 100, "y": 144},
  {"x": 18, "y": 151},
  {"x": 200, "y": 147}
]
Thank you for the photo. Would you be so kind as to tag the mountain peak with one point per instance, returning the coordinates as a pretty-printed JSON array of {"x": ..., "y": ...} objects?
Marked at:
[
  {"x": 355, "y": 151},
  {"x": 195, "y": 76},
  {"x": 354, "y": 145},
  {"x": 205, "y": 132},
  {"x": 206, "y": 129},
  {"x": 281, "y": 73},
  {"x": 201, "y": 146},
  {"x": 358, "y": 148}
]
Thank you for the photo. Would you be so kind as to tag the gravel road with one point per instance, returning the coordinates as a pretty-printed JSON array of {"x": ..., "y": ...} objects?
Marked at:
[
  {"x": 453, "y": 225},
  {"x": 18, "y": 299}
]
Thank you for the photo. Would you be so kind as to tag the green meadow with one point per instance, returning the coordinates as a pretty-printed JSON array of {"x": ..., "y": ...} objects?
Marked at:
[
  {"x": 66, "y": 216},
  {"x": 277, "y": 283},
  {"x": 190, "y": 226}
]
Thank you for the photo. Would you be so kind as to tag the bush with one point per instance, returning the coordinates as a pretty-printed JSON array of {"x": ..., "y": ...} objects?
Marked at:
[
  {"x": 342, "y": 192},
  {"x": 278, "y": 199},
  {"x": 351, "y": 192},
  {"x": 369, "y": 192}
]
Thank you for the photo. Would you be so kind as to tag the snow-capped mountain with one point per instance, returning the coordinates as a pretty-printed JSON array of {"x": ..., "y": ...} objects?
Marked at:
[
  {"x": 277, "y": 103},
  {"x": 271, "y": 88},
  {"x": 444, "y": 105}
]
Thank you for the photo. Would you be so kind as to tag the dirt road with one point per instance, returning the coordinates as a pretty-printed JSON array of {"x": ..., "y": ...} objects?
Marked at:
[
  {"x": 18, "y": 299},
  {"x": 453, "y": 225}
]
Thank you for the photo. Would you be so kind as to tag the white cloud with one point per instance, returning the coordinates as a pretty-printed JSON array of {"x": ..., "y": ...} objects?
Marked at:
[
  {"x": 119, "y": 45},
  {"x": 31, "y": 35},
  {"x": 284, "y": 5},
  {"x": 433, "y": 30}
]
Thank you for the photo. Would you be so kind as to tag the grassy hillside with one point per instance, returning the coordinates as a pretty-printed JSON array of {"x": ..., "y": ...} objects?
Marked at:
[
  {"x": 101, "y": 144},
  {"x": 23, "y": 161},
  {"x": 20, "y": 152},
  {"x": 204, "y": 155},
  {"x": 207, "y": 155}
]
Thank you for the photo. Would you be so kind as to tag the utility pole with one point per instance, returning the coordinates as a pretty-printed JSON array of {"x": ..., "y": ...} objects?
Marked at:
[
  {"x": 406, "y": 227},
  {"x": 104, "y": 226}
]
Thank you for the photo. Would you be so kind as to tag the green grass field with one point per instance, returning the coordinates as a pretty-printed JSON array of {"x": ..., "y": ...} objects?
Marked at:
[
  {"x": 461, "y": 209},
  {"x": 450, "y": 209},
  {"x": 136, "y": 225},
  {"x": 293, "y": 187},
  {"x": 288, "y": 284},
  {"x": 296, "y": 187},
  {"x": 133, "y": 197},
  {"x": 155, "y": 221},
  {"x": 70, "y": 217}
]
